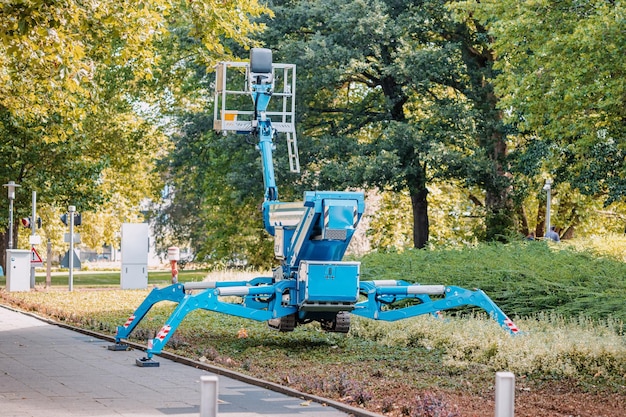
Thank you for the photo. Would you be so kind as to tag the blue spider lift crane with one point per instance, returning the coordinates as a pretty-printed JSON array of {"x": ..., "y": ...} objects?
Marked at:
[{"x": 312, "y": 282}]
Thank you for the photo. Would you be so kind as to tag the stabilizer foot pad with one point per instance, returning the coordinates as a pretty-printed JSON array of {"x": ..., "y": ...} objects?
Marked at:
[
  {"x": 146, "y": 363},
  {"x": 118, "y": 347}
]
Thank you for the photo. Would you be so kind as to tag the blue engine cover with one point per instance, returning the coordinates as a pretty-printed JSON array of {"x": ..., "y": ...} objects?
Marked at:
[{"x": 321, "y": 283}]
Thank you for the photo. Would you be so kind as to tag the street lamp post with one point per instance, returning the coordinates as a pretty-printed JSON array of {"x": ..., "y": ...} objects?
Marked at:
[
  {"x": 71, "y": 210},
  {"x": 11, "y": 186},
  {"x": 547, "y": 188}
]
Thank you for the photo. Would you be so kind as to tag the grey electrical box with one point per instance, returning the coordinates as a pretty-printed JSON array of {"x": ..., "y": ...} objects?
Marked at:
[
  {"x": 18, "y": 270},
  {"x": 135, "y": 247}
]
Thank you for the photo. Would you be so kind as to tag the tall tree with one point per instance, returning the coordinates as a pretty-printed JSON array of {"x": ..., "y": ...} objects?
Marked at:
[
  {"x": 397, "y": 93},
  {"x": 561, "y": 80},
  {"x": 68, "y": 68},
  {"x": 76, "y": 79}
]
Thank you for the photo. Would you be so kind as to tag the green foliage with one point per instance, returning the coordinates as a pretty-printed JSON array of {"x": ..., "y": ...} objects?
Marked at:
[
  {"x": 104, "y": 169},
  {"x": 215, "y": 187},
  {"x": 455, "y": 220},
  {"x": 562, "y": 79},
  {"x": 554, "y": 347},
  {"x": 390, "y": 226},
  {"x": 51, "y": 52},
  {"x": 405, "y": 106},
  {"x": 80, "y": 89}
]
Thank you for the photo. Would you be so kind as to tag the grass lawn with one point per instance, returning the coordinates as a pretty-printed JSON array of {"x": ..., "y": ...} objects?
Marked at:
[{"x": 90, "y": 279}]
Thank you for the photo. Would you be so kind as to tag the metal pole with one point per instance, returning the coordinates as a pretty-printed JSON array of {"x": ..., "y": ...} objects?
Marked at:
[
  {"x": 505, "y": 394},
  {"x": 11, "y": 223},
  {"x": 548, "y": 203},
  {"x": 11, "y": 186},
  {"x": 71, "y": 210},
  {"x": 33, "y": 231},
  {"x": 208, "y": 396},
  {"x": 48, "y": 264},
  {"x": 173, "y": 254}
]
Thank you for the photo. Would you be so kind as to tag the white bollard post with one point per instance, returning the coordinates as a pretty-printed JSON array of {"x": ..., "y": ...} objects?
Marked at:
[
  {"x": 208, "y": 396},
  {"x": 505, "y": 394}
]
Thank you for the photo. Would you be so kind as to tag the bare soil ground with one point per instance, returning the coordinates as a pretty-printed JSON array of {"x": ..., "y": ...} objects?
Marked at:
[
  {"x": 547, "y": 402},
  {"x": 431, "y": 392},
  {"x": 555, "y": 400}
]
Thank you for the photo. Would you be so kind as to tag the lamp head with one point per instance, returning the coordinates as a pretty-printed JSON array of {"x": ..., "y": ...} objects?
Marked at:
[
  {"x": 548, "y": 185},
  {"x": 11, "y": 186}
]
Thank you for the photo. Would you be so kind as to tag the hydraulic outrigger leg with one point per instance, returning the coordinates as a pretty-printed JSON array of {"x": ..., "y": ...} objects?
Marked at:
[
  {"x": 261, "y": 301},
  {"x": 382, "y": 293}
]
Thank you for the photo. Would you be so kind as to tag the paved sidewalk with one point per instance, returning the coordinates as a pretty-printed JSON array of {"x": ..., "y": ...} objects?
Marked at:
[{"x": 49, "y": 371}]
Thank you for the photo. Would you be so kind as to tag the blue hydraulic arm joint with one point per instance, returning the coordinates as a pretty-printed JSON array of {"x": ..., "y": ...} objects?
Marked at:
[{"x": 266, "y": 144}]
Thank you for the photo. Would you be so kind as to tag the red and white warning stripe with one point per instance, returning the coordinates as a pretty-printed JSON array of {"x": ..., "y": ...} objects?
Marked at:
[
  {"x": 509, "y": 323},
  {"x": 129, "y": 321},
  {"x": 163, "y": 332}
]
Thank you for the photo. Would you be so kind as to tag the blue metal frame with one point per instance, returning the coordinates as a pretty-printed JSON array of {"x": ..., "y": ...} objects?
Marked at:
[
  {"x": 312, "y": 281},
  {"x": 379, "y": 297},
  {"x": 209, "y": 300},
  {"x": 262, "y": 300}
]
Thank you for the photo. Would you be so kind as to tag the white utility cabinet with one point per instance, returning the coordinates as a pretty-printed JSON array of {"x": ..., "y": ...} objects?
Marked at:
[
  {"x": 18, "y": 270},
  {"x": 135, "y": 247}
]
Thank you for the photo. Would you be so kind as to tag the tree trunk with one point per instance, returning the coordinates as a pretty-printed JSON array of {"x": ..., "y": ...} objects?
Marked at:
[
  {"x": 500, "y": 217},
  {"x": 569, "y": 233},
  {"x": 500, "y": 221},
  {"x": 521, "y": 214},
  {"x": 4, "y": 244},
  {"x": 419, "y": 204},
  {"x": 540, "y": 229}
]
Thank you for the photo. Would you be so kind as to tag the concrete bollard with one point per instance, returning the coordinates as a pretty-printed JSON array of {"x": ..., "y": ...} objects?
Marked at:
[
  {"x": 505, "y": 394},
  {"x": 208, "y": 396}
]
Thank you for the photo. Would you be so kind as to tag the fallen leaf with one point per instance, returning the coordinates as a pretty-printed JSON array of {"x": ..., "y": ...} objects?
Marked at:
[{"x": 242, "y": 333}]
